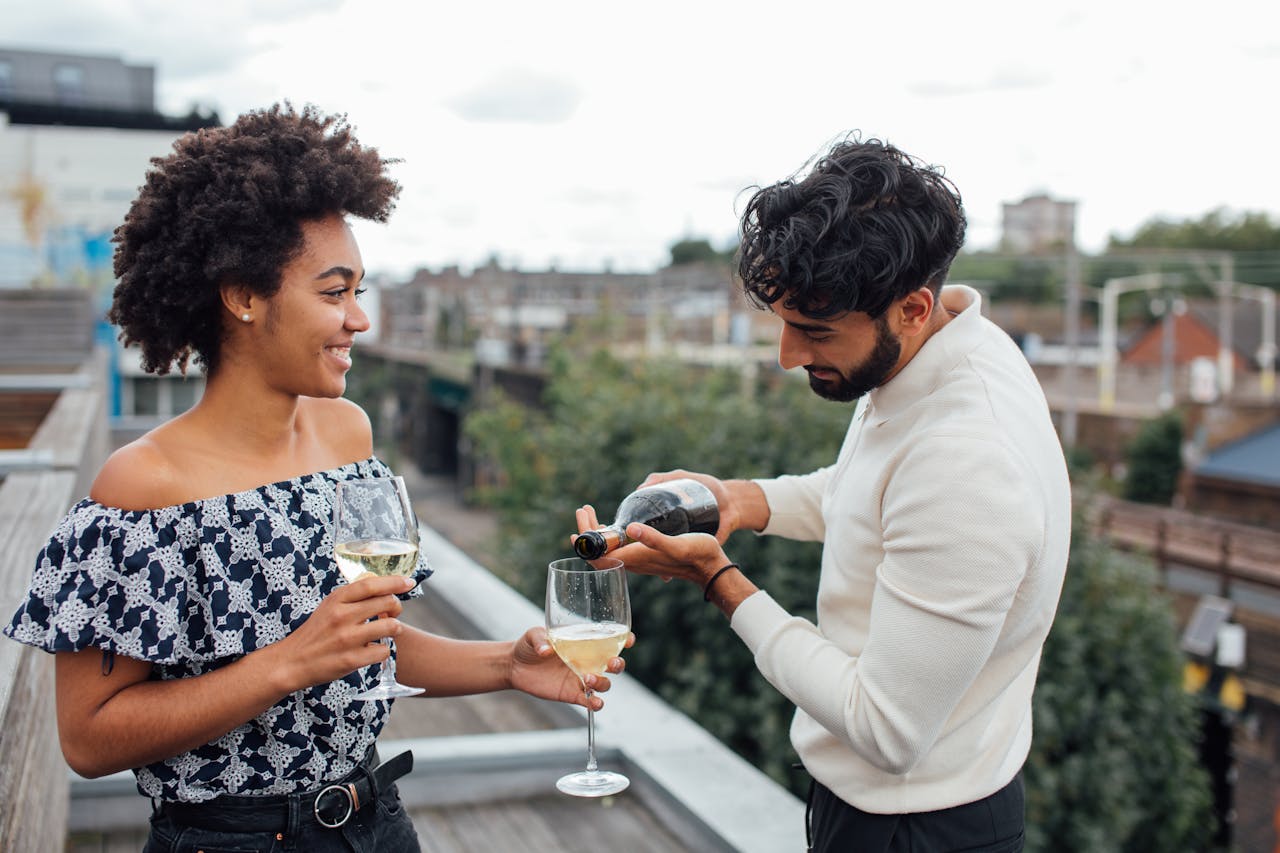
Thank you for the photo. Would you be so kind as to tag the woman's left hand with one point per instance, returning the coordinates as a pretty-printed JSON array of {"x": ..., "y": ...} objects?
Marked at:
[{"x": 538, "y": 671}]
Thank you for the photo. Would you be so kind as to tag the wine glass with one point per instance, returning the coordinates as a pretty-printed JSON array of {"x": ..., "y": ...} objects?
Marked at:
[
  {"x": 375, "y": 531},
  {"x": 588, "y": 622}
]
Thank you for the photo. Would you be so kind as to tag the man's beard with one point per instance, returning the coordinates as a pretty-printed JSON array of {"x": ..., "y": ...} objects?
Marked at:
[{"x": 870, "y": 374}]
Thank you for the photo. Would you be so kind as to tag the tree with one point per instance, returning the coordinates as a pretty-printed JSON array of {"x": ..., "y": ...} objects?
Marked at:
[
  {"x": 1251, "y": 237},
  {"x": 1219, "y": 229},
  {"x": 1023, "y": 278},
  {"x": 1154, "y": 460},
  {"x": 692, "y": 251}
]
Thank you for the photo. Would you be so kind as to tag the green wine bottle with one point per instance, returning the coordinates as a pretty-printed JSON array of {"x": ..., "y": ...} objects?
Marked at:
[{"x": 673, "y": 507}]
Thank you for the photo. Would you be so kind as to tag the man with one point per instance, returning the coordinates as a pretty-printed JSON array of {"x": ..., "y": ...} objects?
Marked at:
[{"x": 945, "y": 519}]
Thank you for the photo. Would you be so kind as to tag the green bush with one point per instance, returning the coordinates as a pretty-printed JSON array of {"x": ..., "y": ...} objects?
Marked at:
[{"x": 1154, "y": 460}]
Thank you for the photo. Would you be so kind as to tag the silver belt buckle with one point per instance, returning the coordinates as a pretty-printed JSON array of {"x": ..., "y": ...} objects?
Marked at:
[{"x": 351, "y": 805}]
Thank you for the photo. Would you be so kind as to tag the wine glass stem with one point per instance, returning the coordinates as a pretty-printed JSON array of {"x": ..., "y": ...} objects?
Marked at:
[
  {"x": 591, "y": 735},
  {"x": 388, "y": 676}
]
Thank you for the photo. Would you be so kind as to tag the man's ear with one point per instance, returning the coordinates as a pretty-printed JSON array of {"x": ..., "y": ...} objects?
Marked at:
[
  {"x": 915, "y": 310},
  {"x": 239, "y": 301}
]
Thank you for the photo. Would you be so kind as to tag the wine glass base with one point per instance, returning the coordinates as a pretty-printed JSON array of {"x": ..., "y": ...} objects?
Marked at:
[
  {"x": 593, "y": 783},
  {"x": 388, "y": 691}
]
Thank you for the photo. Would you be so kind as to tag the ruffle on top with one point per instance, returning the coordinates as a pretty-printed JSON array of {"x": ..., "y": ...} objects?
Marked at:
[{"x": 197, "y": 582}]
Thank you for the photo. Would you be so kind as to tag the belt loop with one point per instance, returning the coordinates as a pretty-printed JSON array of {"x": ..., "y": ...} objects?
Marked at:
[
  {"x": 374, "y": 793},
  {"x": 293, "y": 812}
]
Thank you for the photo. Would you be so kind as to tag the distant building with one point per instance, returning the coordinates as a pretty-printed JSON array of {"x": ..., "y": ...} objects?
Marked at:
[
  {"x": 77, "y": 134},
  {"x": 79, "y": 90},
  {"x": 1037, "y": 224},
  {"x": 1240, "y": 480},
  {"x": 1196, "y": 335},
  {"x": 509, "y": 316}
]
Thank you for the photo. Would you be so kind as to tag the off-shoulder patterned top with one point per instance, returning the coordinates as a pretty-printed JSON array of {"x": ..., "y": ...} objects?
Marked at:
[{"x": 194, "y": 587}]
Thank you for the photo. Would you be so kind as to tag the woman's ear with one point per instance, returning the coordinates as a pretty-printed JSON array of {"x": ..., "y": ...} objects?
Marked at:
[{"x": 239, "y": 301}]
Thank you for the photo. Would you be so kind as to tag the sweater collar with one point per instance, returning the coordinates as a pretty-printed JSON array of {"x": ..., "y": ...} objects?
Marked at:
[{"x": 947, "y": 346}]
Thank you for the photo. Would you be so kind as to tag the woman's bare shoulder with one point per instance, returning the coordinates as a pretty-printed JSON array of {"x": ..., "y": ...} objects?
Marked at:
[
  {"x": 342, "y": 425},
  {"x": 140, "y": 475}
]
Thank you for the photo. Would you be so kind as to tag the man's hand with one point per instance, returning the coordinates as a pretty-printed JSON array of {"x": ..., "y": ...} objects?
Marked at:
[
  {"x": 729, "y": 515},
  {"x": 652, "y": 553}
]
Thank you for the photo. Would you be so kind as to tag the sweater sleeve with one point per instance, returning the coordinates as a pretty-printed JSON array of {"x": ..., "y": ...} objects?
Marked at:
[
  {"x": 962, "y": 526},
  {"x": 795, "y": 505}
]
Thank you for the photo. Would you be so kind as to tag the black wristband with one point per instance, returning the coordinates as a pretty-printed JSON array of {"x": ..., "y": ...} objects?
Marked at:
[{"x": 706, "y": 590}]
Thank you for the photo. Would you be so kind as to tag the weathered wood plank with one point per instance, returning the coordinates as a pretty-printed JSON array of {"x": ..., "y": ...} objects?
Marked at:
[
  {"x": 72, "y": 433},
  {"x": 20, "y": 415},
  {"x": 33, "y": 787},
  {"x": 46, "y": 326},
  {"x": 563, "y": 824}
]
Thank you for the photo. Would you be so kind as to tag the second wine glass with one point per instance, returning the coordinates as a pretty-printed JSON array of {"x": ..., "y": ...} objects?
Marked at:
[
  {"x": 375, "y": 531},
  {"x": 588, "y": 622}
]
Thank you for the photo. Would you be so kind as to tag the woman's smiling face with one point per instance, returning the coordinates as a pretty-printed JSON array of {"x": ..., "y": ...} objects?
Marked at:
[{"x": 312, "y": 320}]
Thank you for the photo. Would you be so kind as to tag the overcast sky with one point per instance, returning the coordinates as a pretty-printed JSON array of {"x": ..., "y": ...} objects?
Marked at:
[{"x": 596, "y": 134}]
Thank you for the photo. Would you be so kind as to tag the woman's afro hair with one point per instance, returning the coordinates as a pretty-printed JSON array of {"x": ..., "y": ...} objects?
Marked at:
[{"x": 227, "y": 207}]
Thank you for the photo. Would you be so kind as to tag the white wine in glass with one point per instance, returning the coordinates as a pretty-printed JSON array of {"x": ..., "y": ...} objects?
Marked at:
[
  {"x": 376, "y": 532},
  {"x": 588, "y": 621}
]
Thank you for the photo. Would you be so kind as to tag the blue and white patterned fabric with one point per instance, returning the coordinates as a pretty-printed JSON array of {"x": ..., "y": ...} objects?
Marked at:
[{"x": 194, "y": 587}]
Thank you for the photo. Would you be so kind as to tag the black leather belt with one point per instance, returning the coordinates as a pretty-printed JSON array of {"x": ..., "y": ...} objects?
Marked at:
[{"x": 330, "y": 806}]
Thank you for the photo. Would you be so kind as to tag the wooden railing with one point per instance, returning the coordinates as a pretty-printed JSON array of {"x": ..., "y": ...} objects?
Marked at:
[
  {"x": 1239, "y": 562},
  {"x": 71, "y": 441},
  {"x": 1233, "y": 552}
]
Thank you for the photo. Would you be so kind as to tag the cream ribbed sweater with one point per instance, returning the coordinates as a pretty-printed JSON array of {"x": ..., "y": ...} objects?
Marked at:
[{"x": 945, "y": 522}]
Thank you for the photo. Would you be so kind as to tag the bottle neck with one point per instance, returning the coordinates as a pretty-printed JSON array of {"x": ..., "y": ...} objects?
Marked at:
[{"x": 596, "y": 543}]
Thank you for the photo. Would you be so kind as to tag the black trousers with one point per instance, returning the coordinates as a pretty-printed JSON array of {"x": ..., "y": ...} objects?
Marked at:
[{"x": 993, "y": 824}]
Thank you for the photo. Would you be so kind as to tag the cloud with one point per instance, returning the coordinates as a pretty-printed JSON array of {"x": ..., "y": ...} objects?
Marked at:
[
  {"x": 520, "y": 96},
  {"x": 1000, "y": 80},
  {"x": 214, "y": 38},
  {"x": 599, "y": 196}
]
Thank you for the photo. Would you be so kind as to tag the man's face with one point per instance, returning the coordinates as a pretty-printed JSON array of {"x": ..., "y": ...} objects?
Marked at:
[{"x": 845, "y": 356}]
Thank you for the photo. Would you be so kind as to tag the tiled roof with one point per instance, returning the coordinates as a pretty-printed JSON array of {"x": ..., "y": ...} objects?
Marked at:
[{"x": 1253, "y": 459}]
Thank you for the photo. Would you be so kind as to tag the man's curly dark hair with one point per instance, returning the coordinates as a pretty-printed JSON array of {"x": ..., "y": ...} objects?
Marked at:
[
  {"x": 868, "y": 225},
  {"x": 227, "y": 206}
]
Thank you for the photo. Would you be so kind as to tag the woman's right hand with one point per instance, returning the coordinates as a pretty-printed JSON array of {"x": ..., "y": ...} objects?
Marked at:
[{"x": 342, "y": 634}]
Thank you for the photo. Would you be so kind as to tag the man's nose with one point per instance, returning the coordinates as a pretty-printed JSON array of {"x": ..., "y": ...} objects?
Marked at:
[{"x": 792, "y": 351}]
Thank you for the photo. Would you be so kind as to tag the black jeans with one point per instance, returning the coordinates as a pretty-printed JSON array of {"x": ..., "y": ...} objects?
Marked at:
[{"x": 993, "y": 824}]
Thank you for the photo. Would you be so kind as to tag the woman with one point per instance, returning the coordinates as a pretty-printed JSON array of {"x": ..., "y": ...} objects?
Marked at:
[{"x": 203, "y": 636}]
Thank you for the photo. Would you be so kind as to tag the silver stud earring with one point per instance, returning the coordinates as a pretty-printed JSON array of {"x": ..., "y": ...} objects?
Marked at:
[{"x": 246, "y": 316}]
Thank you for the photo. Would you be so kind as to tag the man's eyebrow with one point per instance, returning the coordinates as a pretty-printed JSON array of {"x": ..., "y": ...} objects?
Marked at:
[
  {"x": 810, "y": 327},
  {"x": 346, "y": 273}
]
